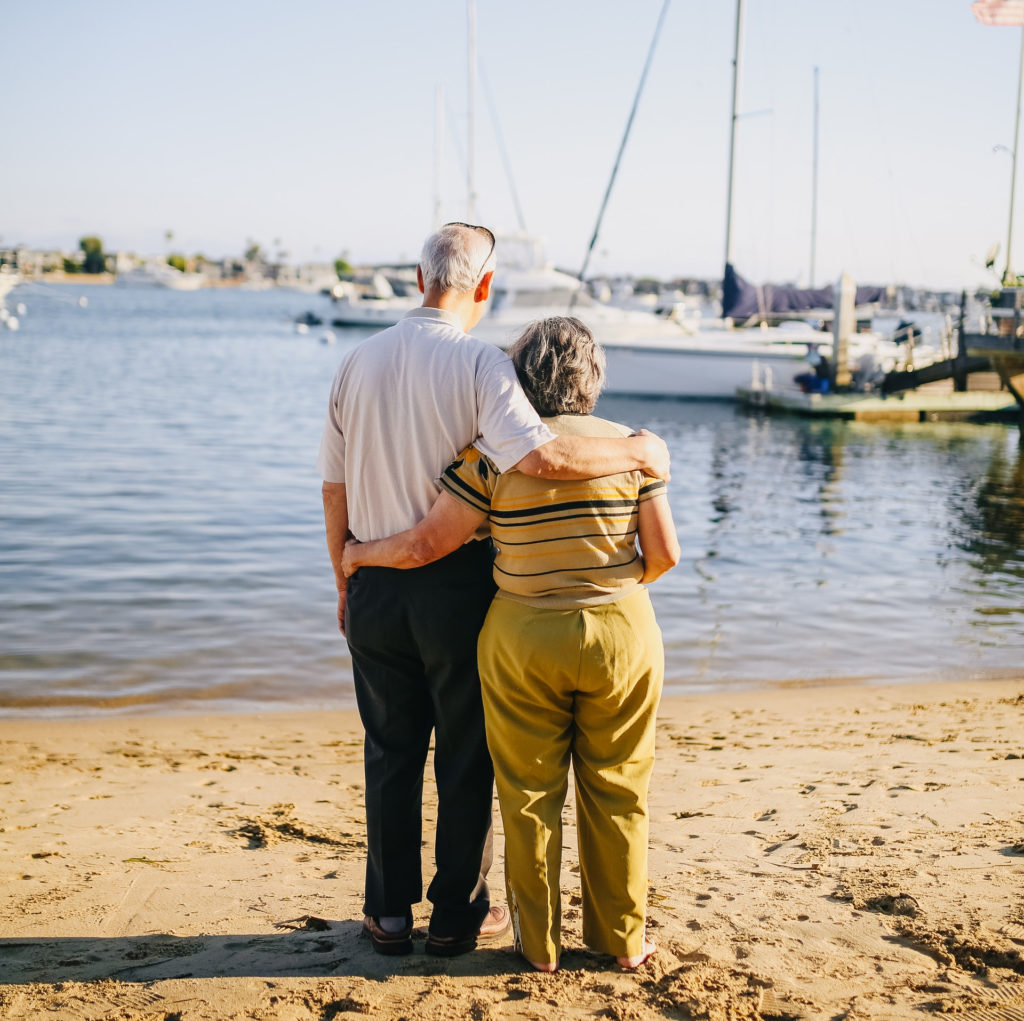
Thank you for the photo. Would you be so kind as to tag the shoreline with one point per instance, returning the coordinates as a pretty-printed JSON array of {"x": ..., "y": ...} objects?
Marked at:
[
  {"x": 815, "y": 852},
  {"x": 95, "y": 709}
]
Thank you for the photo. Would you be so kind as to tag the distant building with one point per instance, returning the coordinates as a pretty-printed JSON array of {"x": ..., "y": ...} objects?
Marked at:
[
  {"x": 309, "y": 276},
  {"x": 125, "y": 262},
  {"x": 34, "y": 262}
]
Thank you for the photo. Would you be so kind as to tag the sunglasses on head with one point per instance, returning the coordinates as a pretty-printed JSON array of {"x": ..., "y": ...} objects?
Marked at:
[{"x": 480, "y": 230}]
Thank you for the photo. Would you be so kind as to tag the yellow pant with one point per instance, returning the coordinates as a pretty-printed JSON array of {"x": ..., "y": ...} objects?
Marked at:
[{"x": 580, "y": 684}]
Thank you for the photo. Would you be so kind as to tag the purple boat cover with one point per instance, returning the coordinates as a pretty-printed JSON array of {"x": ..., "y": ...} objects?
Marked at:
[{"x": 742, "y": 299}]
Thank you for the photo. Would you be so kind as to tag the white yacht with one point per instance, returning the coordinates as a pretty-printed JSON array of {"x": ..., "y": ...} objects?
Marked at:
[
  {"x": 656, "y": 355},
  {"x": 527, "y": 287}
]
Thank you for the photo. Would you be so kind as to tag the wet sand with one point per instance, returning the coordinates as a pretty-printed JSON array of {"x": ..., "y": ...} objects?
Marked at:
[{"x": 845, "y": 852}]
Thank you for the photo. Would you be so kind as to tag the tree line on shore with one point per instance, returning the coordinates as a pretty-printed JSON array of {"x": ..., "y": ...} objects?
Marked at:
[{"x": 91, "y": 258}]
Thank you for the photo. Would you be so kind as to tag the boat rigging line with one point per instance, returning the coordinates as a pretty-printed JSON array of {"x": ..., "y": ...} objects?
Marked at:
[
  {"x": 622, "y": 147},
  {"x": 1008, "y": 275},
  {"x": 736, "y": 56},
  {"x": 471, "y": 114},
  {"x": 814, "y": 185},
  {"x": 506, "y": 162}
]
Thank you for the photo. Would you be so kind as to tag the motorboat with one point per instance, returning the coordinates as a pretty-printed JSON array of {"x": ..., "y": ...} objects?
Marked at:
[
  {"x": 371, "y": 302},
  {"x": 159, "y": 274},
  {"x": 714, "y": 363},
  {"x": 9, "y": 279}
]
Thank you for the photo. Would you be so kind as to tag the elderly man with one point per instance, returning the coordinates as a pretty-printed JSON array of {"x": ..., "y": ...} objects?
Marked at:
[{"x": 402, "y": 405}]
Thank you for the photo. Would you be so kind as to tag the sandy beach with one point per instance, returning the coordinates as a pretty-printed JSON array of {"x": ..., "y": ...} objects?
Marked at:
[{"x": 815, "y": 853}]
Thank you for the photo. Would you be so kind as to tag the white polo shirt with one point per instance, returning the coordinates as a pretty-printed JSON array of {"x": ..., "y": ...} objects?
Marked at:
[{"x": 404, "y": 403}]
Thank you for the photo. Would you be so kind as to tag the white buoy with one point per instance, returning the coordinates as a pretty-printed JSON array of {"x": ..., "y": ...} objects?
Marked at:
[
  {"x": 3, "y": 314},
  {"x": 301, "y": 328},
  {"x": 21, "y": 308},
  {"x": 83, "y": 301},
  {"x": 328, "y": 338},
  {"x": 12, "y": 323}
]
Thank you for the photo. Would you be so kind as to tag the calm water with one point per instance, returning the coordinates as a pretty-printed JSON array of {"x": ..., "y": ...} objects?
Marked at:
[{"x": 161, "y": 545}]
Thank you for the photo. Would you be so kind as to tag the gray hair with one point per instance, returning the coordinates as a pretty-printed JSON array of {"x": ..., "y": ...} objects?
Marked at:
[
  {"x": 560, "y": 366},
  {"x": 453, "y": 259}
]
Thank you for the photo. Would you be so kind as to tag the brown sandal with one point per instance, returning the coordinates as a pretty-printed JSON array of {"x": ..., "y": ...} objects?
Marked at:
[
  {"x": 391, "y": 944},
  {"x": 495, "y": 923}
]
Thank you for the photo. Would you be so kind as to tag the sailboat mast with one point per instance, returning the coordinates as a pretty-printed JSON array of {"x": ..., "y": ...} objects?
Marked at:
[
  {"x": 622, "y": 148},
  {"x": 814, "y": 184},
  {"x": 1008, "y": 275},
  {"x": 471, "y": 115},
  {"x": 736, "y": 54},
  {"x": 438, "y": 136}
]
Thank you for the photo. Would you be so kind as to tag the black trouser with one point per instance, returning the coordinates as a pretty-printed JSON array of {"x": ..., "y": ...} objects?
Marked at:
[{"x": 412, "y": 635}]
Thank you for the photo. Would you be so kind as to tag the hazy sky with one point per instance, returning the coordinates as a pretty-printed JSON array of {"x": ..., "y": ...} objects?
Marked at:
[{"x": 312, "y": 122}]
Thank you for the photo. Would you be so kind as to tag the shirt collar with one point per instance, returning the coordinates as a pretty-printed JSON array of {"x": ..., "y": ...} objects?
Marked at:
[{"x": 439, "y": 314}]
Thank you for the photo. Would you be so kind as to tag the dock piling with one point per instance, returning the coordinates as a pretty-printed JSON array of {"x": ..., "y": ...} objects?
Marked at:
[{"x": 960, "y": 361}]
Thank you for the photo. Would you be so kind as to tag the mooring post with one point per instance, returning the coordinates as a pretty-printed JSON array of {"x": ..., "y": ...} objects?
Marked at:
[
  {"x": 842, "y": 325},
  {"x": 960, "y": 361}
]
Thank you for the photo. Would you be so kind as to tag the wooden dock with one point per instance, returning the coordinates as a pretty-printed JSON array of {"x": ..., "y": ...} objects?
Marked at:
[
  {"x": 983, "y": 382},
  {"x": 906, "y": 406}
]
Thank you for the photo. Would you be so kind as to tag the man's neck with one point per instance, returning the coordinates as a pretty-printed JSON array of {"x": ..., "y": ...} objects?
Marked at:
[{"x": 461, "y": 305}]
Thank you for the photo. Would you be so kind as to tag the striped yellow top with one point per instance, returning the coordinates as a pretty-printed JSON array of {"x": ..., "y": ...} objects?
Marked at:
[{"x": 559, "y": 544}]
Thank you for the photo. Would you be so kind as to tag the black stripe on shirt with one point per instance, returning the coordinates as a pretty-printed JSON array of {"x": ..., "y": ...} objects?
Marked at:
[
  {"x": 568, "y": 570},
  {"x": 592, "y": 505}
]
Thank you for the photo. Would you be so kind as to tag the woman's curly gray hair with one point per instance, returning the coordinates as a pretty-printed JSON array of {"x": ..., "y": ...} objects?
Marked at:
[{"x": 560, "y": 366}]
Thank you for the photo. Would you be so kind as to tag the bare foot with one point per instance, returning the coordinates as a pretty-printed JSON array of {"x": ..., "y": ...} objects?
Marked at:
[
  {"x": 632, "y": 963},
  {"x": 547, "y": 966}
]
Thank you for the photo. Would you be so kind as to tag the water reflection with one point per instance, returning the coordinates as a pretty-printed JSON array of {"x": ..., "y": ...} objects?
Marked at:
[
  {"x": 992, "y": 510},
  {"x": 830, "y": 549}
]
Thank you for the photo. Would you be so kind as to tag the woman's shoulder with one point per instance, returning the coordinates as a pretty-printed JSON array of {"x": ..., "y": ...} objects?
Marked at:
[{"x": 587, "y": 425}]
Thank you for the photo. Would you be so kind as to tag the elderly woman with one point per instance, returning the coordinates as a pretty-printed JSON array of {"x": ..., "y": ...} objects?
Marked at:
[{"x": 571, "y": 659}]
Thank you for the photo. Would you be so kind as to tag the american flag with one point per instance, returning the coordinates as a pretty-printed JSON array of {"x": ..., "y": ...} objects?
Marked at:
[{"x": 999, "y": 12}]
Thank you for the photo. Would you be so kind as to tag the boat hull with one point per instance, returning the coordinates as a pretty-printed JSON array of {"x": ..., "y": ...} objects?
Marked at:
[
  {"x": 715, "y": 363},
  {"x": 376, "y": 313},
  {"x": 695, "y": 373},
  {"x": 704, "y": 365}
]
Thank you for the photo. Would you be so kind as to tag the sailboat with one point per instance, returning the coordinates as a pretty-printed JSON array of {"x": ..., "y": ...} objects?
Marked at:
[
  {"x": 717, "y": 359},
  {"x": 647, "y": 354}
]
